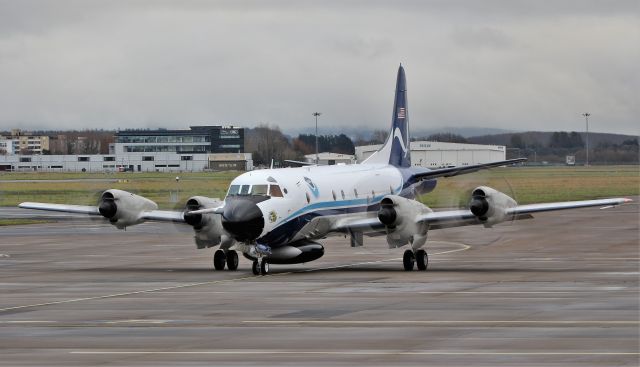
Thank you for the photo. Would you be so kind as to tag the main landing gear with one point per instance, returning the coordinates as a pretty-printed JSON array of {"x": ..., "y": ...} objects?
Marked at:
[
  {"x": 228, "y": 258},
  {"x": 260, "y": 267},
  {"x": 409, "y": 259}
]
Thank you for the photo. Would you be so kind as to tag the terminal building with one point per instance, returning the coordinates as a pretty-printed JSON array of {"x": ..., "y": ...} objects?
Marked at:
[
  {"x": 433, "y": 154},
  {"x": 198, "y": 140}
]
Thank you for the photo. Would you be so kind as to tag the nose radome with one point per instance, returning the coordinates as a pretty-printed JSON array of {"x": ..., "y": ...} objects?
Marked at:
[{"x": 243, "y": 219}]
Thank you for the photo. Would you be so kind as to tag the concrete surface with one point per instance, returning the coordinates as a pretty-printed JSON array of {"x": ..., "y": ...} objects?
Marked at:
[{"x": 559, "y": 290}]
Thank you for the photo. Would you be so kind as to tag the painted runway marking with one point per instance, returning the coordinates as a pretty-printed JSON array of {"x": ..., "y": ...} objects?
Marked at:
[
  {"x": 441, "y": 322},
  {"x": 358, "y": 352},
  {"x": 123, "y": 294}
]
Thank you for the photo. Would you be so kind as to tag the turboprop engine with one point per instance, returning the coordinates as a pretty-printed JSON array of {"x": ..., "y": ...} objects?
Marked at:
[
  {"x": 399, "y": 215},
  {"x": 123, "y": 208},
  {"x": 490, "y": 205},
  {"x": 207, "y": 227}
]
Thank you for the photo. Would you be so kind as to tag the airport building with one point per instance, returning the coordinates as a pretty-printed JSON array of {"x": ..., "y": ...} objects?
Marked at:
[
  {"x": 433, "y": 154},
  {"x": 196, "y": 140},
  {"x": 20, "y": 141},
  {"x": 328, "y": 159},
  {"x": 130, "y": 162}
]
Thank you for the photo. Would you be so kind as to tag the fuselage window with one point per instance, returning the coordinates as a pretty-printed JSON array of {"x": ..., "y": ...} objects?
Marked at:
[
  {"x": 259, "y": 190},
  {"x": 334, "y": 195},
  {"x": 244, "y": 190},
  {"x": 234, "y": 189},
  {"x": 308, "y": 198},
  {"x": 373, "y": 193},
  {"x": 342, "y": 192},
  {"x": 285, "y": 190},
  {"x": 274, "y": 191},
  {"x": 355, "y": 192}
]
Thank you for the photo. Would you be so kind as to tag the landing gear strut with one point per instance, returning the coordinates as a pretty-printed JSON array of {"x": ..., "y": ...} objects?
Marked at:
[{"x": 409, "y": 259}]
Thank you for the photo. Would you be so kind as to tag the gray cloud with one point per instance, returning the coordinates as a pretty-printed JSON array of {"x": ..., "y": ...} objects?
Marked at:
[{"x": 507, "y": 64}]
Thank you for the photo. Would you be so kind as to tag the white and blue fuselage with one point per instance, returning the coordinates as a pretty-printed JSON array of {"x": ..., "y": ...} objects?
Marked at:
[{"x": 301, "y": 194}]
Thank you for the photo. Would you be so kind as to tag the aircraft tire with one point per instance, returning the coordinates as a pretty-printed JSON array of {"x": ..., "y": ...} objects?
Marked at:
[
  {"x": 255, "y": 268},
  {"x": 264, "y": 267},
  {"x": 422, "y": 259},
  {"x": 232, "y": 260},
  {"x": 219, "y": 259},
  {"x": 408, "y": 260}
]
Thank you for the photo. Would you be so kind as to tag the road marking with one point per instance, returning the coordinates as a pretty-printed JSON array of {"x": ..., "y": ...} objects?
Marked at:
[
  {"x": 126, "y": 293},
  {"x": 464, "y": 247},
  {"x": 357, "y": 352},
  {"x": 441, "y": 322},
  {"x": 525, "y": 292}
]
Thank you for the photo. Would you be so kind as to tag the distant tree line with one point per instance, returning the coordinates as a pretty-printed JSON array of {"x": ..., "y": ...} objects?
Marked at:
[{"x": 562, "y": 144}]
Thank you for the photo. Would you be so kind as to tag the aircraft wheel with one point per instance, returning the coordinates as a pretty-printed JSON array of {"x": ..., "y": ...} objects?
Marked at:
[
  {"x": 255, "y": 268},
  {"x": 219, "y": 259},
  {"x": 422, "y": 259},
  {"x": 232, "y": 260},
  {"x": 408, "y": 260},
  {"x": 264, "y": 267}
]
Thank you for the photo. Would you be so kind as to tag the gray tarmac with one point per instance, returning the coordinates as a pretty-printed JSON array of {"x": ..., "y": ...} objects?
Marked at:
[{"x": 559, "y": 290}]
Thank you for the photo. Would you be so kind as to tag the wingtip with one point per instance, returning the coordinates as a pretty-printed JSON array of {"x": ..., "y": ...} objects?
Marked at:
[{"x": 627, "y": 200}]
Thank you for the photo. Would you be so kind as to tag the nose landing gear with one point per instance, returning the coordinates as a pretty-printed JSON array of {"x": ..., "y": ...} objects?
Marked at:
[{"x": 260, "y": 267}]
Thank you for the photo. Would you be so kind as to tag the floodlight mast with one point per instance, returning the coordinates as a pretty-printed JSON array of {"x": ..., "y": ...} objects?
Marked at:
[
  {"x": 586, "y": 119},
  {"x": 316, "y": 114}
]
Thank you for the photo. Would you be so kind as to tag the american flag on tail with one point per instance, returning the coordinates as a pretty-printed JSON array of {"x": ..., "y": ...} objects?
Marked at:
[{"x": 401, "y": 113}]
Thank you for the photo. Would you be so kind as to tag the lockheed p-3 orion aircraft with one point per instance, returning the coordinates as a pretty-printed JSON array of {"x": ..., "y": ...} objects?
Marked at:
[{"x": 278, "y": 216}]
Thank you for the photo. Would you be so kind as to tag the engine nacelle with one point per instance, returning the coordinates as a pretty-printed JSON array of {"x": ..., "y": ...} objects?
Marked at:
[
  {"x": 123, "y": 208},
  {"x": 207, "y": 227},
  {"x": 490, "y": 205},
  {"x": 399, "y": 215}
]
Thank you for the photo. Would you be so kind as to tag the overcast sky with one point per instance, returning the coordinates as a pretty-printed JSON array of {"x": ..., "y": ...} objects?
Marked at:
[{"x": 521, "y": 65}]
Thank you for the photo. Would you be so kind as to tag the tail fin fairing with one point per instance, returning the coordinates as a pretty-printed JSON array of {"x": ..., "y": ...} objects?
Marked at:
[{"x": 396, "y": 150}]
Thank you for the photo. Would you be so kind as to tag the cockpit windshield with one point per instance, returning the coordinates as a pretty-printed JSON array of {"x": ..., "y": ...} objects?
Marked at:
[{"x": 257, "y": 190}]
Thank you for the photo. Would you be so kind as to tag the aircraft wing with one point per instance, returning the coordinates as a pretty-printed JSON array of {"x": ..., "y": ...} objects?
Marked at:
[
  {"x": 454, "y": 171},
  {"x": 77, "y": 209},
  {"x": 464, "y": 217},
  {"x": 155, "y": 215},
  {"x": 163, "y": 216}
]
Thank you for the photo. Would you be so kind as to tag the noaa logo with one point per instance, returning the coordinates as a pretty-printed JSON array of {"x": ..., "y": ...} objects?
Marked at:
[
  {"x": 312, "y": 186},
  {"x": 273, "y": 216}
]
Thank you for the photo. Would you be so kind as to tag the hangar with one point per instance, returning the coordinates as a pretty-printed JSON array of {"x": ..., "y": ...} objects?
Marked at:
[{"x": 434, "y": 154}]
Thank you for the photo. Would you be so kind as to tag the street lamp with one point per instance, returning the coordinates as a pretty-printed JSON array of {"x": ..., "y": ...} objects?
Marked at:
[
  {"x": 586, "y": 119},
  {"x": 316, "y": 114}
]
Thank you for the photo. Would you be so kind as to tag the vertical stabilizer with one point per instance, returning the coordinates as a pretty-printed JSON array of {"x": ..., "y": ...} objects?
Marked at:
[{"x": 396, "y": 150}]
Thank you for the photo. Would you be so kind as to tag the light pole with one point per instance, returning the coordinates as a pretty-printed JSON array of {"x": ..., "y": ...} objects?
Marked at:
[
  {"x": 316, "y": 114},
  {"x": 586, "y": 119}
]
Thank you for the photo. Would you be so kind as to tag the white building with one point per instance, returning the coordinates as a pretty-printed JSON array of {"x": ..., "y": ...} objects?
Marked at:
[
  {"x": 9, "y": 146},
  {"x": 327, "y": 159},
  {"x": 134, "y": 162},
  {"x": 432, "y": 154}
]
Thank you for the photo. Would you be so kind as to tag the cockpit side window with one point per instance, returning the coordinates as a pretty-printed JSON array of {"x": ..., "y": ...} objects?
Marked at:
[
  {"x": 259, "y": 190},
  {"x": 274, "y": 191}
]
